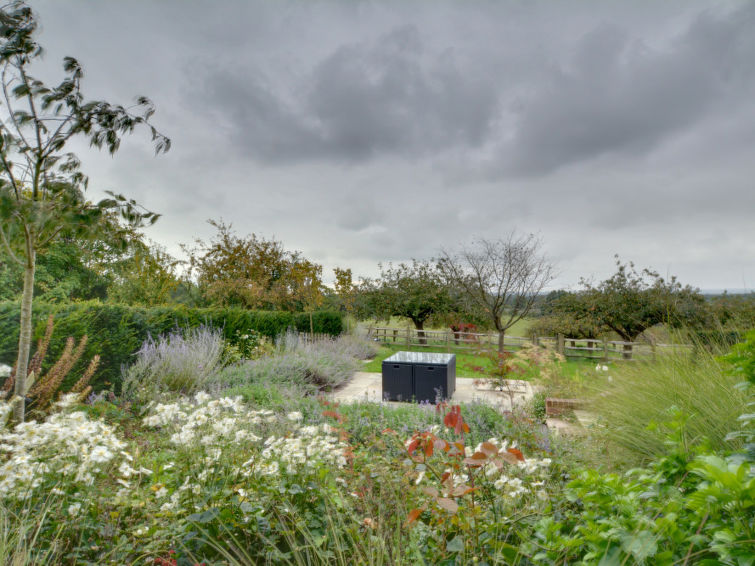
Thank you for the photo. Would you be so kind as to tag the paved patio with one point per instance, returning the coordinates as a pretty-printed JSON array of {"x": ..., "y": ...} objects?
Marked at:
[{"x": 366, "y": 386}]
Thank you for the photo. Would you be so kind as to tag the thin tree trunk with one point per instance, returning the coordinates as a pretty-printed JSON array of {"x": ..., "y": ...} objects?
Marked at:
[
  {"x": 501, "y": 335},
  {"x": 420, "y": 326},
  {"x": 24, "y": 338}
]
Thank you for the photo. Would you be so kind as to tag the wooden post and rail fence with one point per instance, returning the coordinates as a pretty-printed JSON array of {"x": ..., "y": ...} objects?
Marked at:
[{"x": 448, "y": 340}]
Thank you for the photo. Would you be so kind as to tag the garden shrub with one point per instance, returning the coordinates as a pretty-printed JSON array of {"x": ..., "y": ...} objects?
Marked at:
[
  {"x": 117, "y": 332},
  {"x": 178, "y": 364},
  {"x": 303, "y": 366}
]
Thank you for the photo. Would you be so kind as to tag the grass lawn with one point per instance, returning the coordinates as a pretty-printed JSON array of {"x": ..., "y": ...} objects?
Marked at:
[
  {"x": 466, "y": 361},
  {"x": 520, "y": 328}
]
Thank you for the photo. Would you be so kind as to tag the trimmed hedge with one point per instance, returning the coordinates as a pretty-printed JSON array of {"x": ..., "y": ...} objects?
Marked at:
[{"x": 116, "y": 332}]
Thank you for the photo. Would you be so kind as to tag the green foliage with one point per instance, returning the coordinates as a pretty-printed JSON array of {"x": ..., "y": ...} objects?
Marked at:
[
  {"x": 565, "y": 323},
  {"x": 741, "y": 359},
  {"x": 629, "y": 302},
  {"x": 687, "y": 507},
  {"x": 253, "y": 272},
  {"x": 413, "y": 291},
  {"x": 117, "y": 331}
]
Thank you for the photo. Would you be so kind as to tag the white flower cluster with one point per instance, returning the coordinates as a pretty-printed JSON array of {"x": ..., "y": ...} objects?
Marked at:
[
  {"x": 66, "y": 446},
  {"x": 526, "y": 477},
  {"x": 207, "y": 421},
  {"x": 309, "y": 447},
  {"x": 5, "y": 410}
]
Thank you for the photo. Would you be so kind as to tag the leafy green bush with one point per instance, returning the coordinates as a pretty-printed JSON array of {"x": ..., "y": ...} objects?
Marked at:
[
  {"x": 692, "y": 506},
  {"x": 117, "y": 332}
]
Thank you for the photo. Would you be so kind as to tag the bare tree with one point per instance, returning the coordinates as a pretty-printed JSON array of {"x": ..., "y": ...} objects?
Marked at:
[{"x": 500, "y": 277}]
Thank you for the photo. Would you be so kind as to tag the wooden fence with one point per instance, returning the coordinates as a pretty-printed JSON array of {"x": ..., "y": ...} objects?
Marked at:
[{"x": 599, "y": 350}]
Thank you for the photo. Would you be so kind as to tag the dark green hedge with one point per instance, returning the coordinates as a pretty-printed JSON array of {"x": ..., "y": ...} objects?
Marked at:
[{"x": 116, "y": 332}]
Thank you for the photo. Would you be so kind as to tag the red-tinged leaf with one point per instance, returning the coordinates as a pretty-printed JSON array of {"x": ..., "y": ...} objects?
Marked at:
[
  {"x": 413, "y": 516},
  {"x": 441, "y": 444},
  {"x": 474, "y": 463},
  {"x": 431, "y": 491},
  {"x": 461, "y": 490},
  {"x": 508, "y": 458},
  {"x": 448, "y": 504},
  {"x": 445, "y": 477},
  {"x": 450, "y": 420},
  {"x": 389, "y": 431},
  {"x": 489, "y": 448},
  {"x": 412, "y": 445},
  {"x": 428, "y": 449},
  {"x": 333, "y": 415},
  {"x": 517, "y": 453},
  {"x": 465, "y": 427}
]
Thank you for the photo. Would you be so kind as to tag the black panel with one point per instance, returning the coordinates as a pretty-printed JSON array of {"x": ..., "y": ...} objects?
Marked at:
[
  {"x": 397, "y": 382},
  {"x": 430, "y": 382}
]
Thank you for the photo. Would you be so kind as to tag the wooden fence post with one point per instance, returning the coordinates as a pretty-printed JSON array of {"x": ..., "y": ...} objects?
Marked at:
[
  {"x": 560, "y": 344},
  {"x": 408, "y": 333},
  {"x": 605, "y": 350}
]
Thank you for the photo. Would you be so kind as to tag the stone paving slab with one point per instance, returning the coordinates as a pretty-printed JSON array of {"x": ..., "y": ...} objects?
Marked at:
[{"x": 367, "y": 386}]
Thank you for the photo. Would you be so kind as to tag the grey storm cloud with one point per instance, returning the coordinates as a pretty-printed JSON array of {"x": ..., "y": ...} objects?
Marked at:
[
  {"x": 618, "y": 94},
  {"x": 364, "y": 100},
  {"x": 403, "y": 95}
]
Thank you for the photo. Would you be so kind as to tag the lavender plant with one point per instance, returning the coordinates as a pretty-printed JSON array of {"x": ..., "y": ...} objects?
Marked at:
[{"x": 176, "y": 364}]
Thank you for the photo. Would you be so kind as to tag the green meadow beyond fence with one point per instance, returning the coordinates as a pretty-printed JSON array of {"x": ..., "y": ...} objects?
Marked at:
[{"x": 590, "y": 348}]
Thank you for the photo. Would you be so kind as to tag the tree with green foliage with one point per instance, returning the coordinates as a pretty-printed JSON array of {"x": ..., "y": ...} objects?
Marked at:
[
  {"x": 41, "y": 184},
  {"x": 147, "y": 277},
  {"x": 630, "y": 302},
  {"x": 414, "y": 291},
  {"x": 502, "y": 278},
  {"x": 253, "y": 272}
]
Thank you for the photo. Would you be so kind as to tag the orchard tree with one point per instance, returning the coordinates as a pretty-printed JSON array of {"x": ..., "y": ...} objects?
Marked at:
[
  {"x": 147, "y": 276},
  {"x": 414, "y": 291},
  {"x": 253, "y": 272},
  {"x": 501, "y": 278},
  {"x": 630, "y": 301},
  {"x": 41, "y": 185}
]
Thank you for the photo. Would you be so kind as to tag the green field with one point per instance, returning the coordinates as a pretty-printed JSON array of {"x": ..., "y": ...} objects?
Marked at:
[
  {"x": 520, "y": 328},
  {"x": 467, "y": 362}
]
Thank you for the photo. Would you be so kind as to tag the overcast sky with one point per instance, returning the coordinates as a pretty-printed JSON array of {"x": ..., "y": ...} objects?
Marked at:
[{"x": 360, "y": 132}]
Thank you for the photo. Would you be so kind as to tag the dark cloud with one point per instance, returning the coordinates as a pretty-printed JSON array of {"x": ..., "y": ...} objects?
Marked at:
[
  {"x": 363, "y": 100},
  {"x": 619, "y": 94}
]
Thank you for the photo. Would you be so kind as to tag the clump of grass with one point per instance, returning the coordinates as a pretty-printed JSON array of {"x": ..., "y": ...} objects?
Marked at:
[
  {"x": 176, "y": 364},
  {"x": 635, "y": 401}
]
